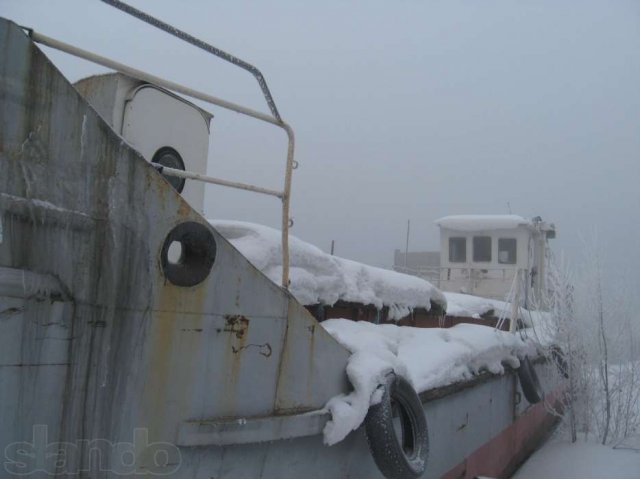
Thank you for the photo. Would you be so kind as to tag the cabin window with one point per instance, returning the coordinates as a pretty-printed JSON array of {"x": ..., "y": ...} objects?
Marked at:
[
  {"x": 457, "y": 249},
  {"x": 481, "y": 249},
  {"x": 507, "y": 251}
]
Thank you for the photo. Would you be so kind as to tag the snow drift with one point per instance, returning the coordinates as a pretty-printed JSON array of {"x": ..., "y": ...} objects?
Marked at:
[
  {"x": 320, "y": 278},
  {"x": 427, "y": 357}
]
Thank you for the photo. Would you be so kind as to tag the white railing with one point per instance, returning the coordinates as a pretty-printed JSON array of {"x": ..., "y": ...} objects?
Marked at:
[
  {"x": 284, "y": 195},
  {"x": 489, "y": 281}
]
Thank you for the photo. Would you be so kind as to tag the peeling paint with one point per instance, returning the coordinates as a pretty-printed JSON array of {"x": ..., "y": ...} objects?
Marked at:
[{"x": 265, "y": 349}]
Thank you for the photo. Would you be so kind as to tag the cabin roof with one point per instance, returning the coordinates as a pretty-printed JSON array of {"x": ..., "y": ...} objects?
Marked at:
[{"x": 471, "y": 223}]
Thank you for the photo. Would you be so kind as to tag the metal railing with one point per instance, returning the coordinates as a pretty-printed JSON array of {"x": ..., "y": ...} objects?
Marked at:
[
  {"x": 428, "y": 273},
  {"x": 471, "y": 278},
  {"x": 285, "y": 194},
  {"x": 511, "y": 285}
]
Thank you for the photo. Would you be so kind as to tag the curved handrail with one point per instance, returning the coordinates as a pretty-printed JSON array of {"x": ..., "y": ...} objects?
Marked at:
[
  {"x": 285, "y": 195},
  {"x": 145, "y": 17}
]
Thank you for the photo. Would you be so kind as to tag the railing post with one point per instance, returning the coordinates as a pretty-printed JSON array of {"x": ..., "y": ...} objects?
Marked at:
[
  {"x": 515, "y": 306},
  {"x": 276, "y": 120},
  {"x": 286, "y": 197}
]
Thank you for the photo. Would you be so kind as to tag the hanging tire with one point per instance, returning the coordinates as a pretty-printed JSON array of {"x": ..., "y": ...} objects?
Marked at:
[
  {"x": 400, "y": 448},
  {"x": 529, "y": 381}
]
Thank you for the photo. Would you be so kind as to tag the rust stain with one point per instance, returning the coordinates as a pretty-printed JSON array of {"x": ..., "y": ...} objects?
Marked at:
[
  {"x": 238, "y": 291},
  {"x": 311, "y": 359},
  {"x": 278, "y": 401},
  {"x": 162, "y": 323},
  {"x": 183, "y": 208},
  {"x": 236, "y": 324},
  {"x": 167, "y": 384}
]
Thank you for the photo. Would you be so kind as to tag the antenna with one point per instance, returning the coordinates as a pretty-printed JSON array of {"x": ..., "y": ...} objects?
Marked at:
[
  {"x": 509, "y": 207},
  {"x": 406, "y": 249}
]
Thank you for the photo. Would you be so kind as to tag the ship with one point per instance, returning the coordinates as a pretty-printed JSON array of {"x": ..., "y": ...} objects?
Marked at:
[{"x": 140, "y": 339}]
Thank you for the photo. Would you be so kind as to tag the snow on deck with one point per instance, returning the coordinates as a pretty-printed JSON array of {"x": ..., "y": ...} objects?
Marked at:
[
  {"x": 470, "y": 223},
  {"x": 317, "y": 277},
  {"x": 464, "y": 305},
  {"x": 427, "y": 357}
]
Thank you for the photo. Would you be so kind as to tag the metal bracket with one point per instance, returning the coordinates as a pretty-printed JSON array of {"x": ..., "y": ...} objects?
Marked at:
[{"x": 233, "y": 431}]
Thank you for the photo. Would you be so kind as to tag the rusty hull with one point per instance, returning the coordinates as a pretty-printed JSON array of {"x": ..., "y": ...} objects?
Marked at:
[
  {"x": 132, "y": 350},
  {"x": 100, "y": 351}
]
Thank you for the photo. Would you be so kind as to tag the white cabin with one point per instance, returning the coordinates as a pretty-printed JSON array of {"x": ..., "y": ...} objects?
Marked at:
[
  {"x": 482, "y": 255},
  {"x": 165, "y": 128}
]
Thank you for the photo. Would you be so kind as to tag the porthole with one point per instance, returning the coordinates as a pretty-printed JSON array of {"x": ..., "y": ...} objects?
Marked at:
[
  {"x": 188, "y": 254},
  {"x": 168, "y": 157}
]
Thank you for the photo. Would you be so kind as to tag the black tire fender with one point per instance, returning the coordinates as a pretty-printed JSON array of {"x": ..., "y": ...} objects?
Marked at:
[
  {"x": 404, "y": 455},
  {"x": 529, "y": 381}
]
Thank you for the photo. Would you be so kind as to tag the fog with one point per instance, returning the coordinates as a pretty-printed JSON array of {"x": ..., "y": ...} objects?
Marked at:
[{"x": 403, "y": 110}]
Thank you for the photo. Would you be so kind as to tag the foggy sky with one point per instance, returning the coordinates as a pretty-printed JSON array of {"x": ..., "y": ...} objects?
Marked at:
[{"x": 403, "y": 110}]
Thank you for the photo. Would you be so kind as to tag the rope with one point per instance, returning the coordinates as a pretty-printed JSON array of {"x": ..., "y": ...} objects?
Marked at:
[{"x": 508, "y": 300}]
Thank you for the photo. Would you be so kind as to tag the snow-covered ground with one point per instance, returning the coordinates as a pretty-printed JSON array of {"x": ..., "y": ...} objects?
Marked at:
[
  {"x": 317, "y": 277},
  {"x": 588, "y": 458},
  {"x": 427, "y": 357},
  {"x": 563, "y": 459}
]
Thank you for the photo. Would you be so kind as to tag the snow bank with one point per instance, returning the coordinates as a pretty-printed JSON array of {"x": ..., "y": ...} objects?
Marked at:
[
  {"x": 427, "y": 357},
  {"x": 317, "y": 277},
  {"x": 562, "y": 459},
  {"x": 470, "y": 223}
]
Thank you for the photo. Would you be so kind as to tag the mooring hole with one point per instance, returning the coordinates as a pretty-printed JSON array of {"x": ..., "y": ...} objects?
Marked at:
[
  {"x": 175, "y": 253},
  {"x": 187, "y": 254}
]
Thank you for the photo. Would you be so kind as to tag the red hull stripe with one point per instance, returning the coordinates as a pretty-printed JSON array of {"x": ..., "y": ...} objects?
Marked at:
[{"x": 500, "y": 456}]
